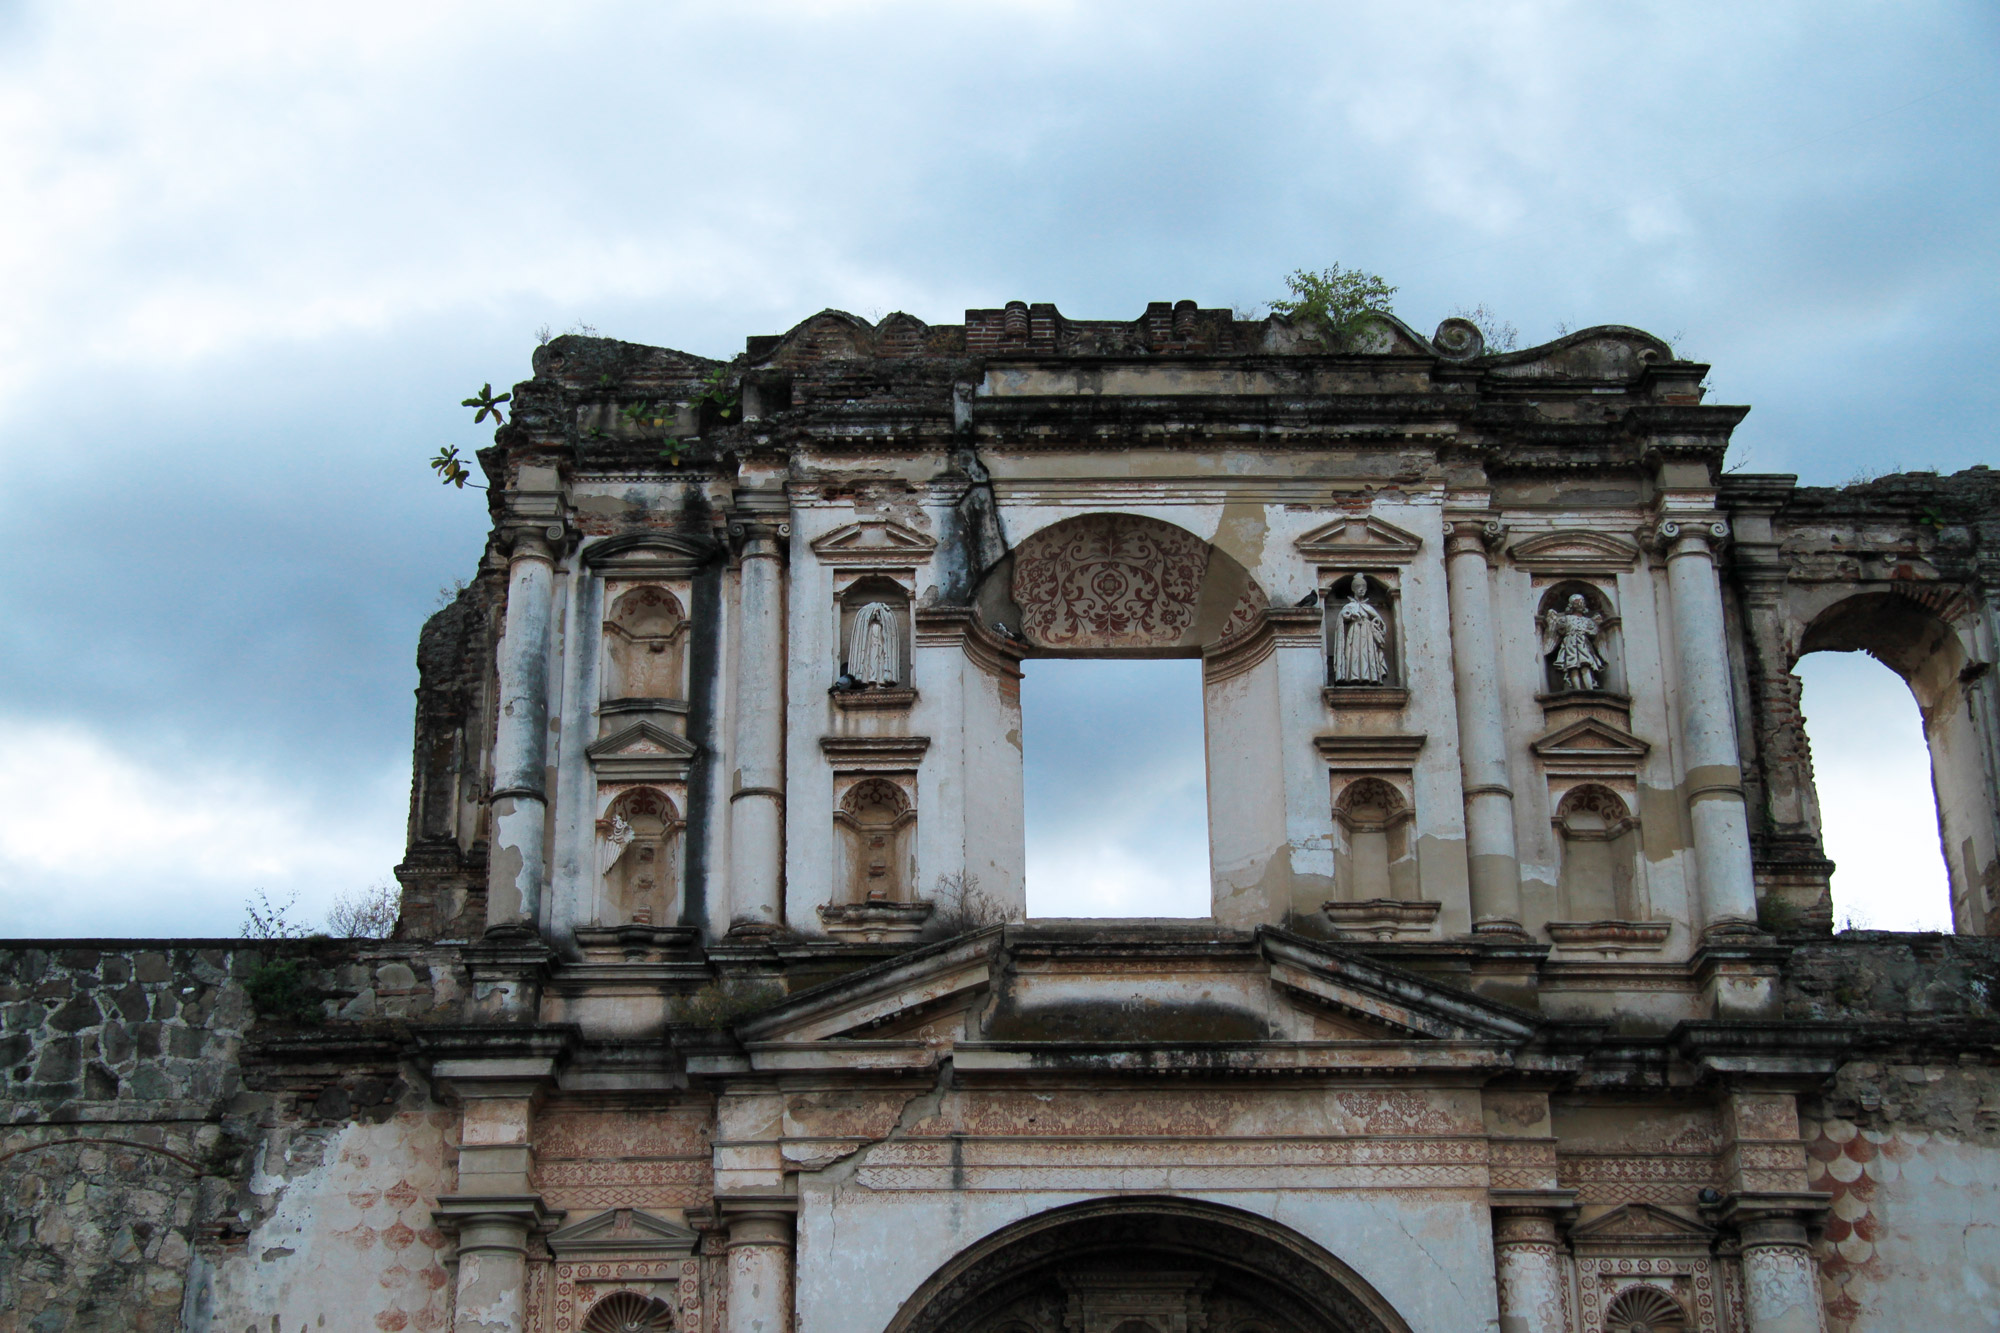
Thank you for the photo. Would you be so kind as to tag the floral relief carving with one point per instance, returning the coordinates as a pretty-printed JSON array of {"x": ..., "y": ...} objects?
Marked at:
[{"x": 1109, "y": 579}]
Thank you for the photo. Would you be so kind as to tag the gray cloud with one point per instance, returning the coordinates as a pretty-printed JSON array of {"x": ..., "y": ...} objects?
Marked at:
[{"x": 254, "y": 257}]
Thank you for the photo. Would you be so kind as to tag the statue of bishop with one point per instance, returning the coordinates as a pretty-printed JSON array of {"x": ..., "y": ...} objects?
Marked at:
[
  {"x": 1569, "y": 639},
  {"x": 872, "y": 648},
  {"x": 1360, "y": 641}
]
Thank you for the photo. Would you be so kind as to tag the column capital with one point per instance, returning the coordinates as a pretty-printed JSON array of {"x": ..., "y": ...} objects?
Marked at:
[
  {"x": 1473, "y": 534},
  {"x": 1690, "y": 534},
  {"x": 534, "y": 541},
  {"x": 756, "y": 536},
  {"x": 461, "y": 1214}
]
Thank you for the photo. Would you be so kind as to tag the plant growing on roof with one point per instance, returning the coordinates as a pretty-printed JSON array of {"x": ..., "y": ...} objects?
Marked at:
[
  {"x": 487, "y": 404},
  {"x": 715, "y": 391},
  {"x": 1339, "y": 299},
  {"x": 452, "y": 471}
]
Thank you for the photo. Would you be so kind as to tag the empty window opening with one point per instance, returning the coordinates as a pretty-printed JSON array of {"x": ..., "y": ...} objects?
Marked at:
[
  {"x": 1878, "y": 814},
  {"x": 1117, "y": 790}
]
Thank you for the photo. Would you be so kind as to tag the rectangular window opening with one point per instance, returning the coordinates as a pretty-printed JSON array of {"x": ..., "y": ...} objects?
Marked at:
[{"x": 1117, "y": 788}]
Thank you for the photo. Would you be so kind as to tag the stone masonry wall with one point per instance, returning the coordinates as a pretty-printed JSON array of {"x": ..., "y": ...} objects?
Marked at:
[{"x": 159, "y": 1134}]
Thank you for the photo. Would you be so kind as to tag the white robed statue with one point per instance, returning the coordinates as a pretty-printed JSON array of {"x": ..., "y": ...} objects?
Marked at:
[
  {"x": 1361, "y": 636},
  {"x": 872, "y": 646},
  {"x": 1569, "y": 638}
]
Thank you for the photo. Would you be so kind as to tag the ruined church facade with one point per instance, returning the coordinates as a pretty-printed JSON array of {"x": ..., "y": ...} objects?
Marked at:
[{"x": 715, "y": 1005}]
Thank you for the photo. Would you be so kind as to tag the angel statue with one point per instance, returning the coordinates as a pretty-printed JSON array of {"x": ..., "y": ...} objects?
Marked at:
[
  {"x": 871, "y": 646},
  {"x": 1570, "y": 637},
  {"x": 1360, "y": 638}
]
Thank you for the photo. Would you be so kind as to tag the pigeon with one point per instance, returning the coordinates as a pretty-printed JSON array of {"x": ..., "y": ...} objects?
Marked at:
[{"x": 1310, "y": 599}]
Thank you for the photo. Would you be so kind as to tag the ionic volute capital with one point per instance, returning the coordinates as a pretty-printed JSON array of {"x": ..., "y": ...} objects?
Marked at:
[
  {"x": 1686, "y": 536},
  {"x": 1474, "y": 535},
  {"x": 535, "y": 541},
  {"x": 759, "y": 537}
]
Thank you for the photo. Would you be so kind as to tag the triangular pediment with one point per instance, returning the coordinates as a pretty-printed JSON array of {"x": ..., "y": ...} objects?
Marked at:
[
  {"x": 622, "y": 1233},
  {"x": 1574, "y": 551},
  {"x": 1023, "y": 996},
  {"x": 876, "y": 542},
  {"x": 1359, "y": 541},
  {"x": 1591, "y": 737},
  {"x": 643, "y": 751},
  {"x": 1641, "y": 1221}
]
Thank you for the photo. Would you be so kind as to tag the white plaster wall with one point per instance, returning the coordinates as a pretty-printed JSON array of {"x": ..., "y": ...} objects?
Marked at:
[
  {"x": 862, "y": 1253},
  {"x": 1914, "y": 1238},
  {"x": 348, "y": 1246}
]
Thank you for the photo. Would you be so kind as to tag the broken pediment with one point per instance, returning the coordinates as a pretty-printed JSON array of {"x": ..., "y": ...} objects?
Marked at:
[
  {"x": 1576, "y": 551},
  {"x": 1359, "y": 542},
  {"x": 1028, "y": 995},
  {"x": 877, "y": 543},
  {"x": 1591, "y": 744},
  {"x": 643, "y": 752},
  {"x": 622, "y": 1233},
  {"x": 1607, "y": 352}
]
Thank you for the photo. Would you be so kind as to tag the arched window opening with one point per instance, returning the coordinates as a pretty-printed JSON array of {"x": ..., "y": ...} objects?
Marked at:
[
  {"x": 643, "y": 640},
  {"x": 1877, "y": 809},
  {"x": 639, "y": 841}
]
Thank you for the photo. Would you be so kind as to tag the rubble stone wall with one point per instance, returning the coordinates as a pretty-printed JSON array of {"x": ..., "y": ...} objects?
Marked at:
[{"x": 171, "y": 1158}]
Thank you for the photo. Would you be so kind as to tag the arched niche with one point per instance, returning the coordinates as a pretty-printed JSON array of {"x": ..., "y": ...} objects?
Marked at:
[
  {"x": 1909, "y": 636},
  {"x": 1599, "y": 847},
  {"x": 874, "y": 634},
  {"x": 875, "y": 822},
  {"x": 645, "y": 636},
  {"x": 1361, "y": 628},
  {"x": 1607, "y": 641},
  {"x": 1167, "y": 1263},
  {"x": 1374, "y": 858},
  {"x": 639, "y": 858}
]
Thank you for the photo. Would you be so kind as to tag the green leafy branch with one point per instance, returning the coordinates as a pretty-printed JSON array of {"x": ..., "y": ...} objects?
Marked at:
[
  {"x": 488, "y": 405},
  {"x": 452, "y": 471},
  {"x": 1338, "y": 298},
  {"x": 1931, "y": 518},
  {"x": 715, "y": 391}
]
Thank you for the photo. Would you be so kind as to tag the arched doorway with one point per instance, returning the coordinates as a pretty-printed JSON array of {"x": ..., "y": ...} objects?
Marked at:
[{"x": 1146, "y": 1265}]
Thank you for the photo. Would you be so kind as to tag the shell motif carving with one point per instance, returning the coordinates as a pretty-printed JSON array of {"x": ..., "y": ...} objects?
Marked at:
[
  {"x": 1645, "y": 1310},
  {"x": 1109, "y": 581},
  {"x": 628, "y": 1312}
]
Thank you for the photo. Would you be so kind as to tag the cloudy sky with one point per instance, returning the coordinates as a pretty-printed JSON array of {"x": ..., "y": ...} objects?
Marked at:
[{"x": 252, "y": 256}]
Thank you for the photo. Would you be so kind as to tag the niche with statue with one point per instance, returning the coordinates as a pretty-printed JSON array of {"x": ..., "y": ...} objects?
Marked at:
[
  {"x": 1577, "y": 631},
  {"x": 874, "y": 644},
  {"x": 638, "y": 843},
  {"x": 1363, "y": 652}
]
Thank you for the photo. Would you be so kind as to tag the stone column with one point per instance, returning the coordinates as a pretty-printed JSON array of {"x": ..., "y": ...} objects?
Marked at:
[
  {"x": 760, "y": 1272},
  {"x": 1527, "y": 1261},
  {"x": 1493, "y": 863},
  {"x": 1780, "y": 1280},
  {"x": 1714, "y": 781},
  {"x": 520, "y": 741},
  {"x": 757, "y": 797}
]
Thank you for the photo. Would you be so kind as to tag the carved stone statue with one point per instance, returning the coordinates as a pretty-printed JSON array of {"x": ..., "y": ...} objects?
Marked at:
[
  {"x": 1569, "y": 638},
  {"x": 872, "y": 648},
  {"x": 1360, "y": 640}
]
